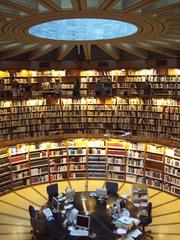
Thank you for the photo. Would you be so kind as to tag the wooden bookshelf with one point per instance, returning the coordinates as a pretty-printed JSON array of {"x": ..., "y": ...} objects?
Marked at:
[
  {"x": 134, "y": 160},
  {"x": 5, "y": 171},
  {"x": 164, "y": 82},
  {"x": 157, "y": 117},
  {"x": 139, "y": 195},
  {"x": 42, "y": 117},
  {"x": 172, "y": 170}
]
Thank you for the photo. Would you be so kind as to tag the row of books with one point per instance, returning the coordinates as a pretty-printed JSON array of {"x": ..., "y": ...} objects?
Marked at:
[
  {"x": 19, "y": 166},
  {"x": 173, "y": 162},
  {"x": 135, "y": 154},
  {"x": 77, "y": 167},
  {"x": 39, "y": 171},
  {"x": 173, "y": 189},
  {"x": 116, "y": 168},
  {"x": 77, "y": 175},
  {"x": 135, "y": 162},
  {"x": 115, "y": 176},
  {"x": 138, "y": 171},
  {"x": 154, "y": 183},
  {"x": 116, "y": 160},
  {"x": 153, "y": 174},
  {"x": 16, "y": 176},
  {"x": 99, "y": 159},
  {"x": 172, "y": 180},
  {"x": 39, "y": 179},
  {"x": 57, "y": 168},
  {"x": 172, "y": 170},
  {"x": 34, "y": 105}
]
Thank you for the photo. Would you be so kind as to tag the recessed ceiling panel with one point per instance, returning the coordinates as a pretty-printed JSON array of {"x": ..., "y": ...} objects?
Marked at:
[
  {"x": 83, "y": 29},
  {"x": 122, "y": 4},
  {"x": 157, "y": 5},
  {"x": 31, "y": 4},
  {"x": 64, "y": 4},
  {"x": 8, "y": 10},
  {"x": 94, "y": 3}
]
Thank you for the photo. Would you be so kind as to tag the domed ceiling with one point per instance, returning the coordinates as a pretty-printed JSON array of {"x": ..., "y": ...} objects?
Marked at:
[{"x": 156, "y": 30}]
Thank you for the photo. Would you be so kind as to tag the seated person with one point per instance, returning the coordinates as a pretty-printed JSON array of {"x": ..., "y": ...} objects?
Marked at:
[{"x": 54, "y": 227}]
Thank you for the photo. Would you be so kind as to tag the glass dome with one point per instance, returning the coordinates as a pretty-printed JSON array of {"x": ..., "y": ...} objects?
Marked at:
[{"x": 83, "y": 29}]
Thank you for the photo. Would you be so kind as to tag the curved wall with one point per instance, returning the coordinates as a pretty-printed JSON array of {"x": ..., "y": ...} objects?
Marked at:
[
  {"x": 158, "y": 118},
  {"x": 136, "y": 159}
]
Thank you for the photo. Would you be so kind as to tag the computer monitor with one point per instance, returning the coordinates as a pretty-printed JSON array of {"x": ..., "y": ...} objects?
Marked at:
[
  {"x": 101, "y": 192},
  {"x": 55, "y": 204},
  {"x": 83, "y": 222},
  {"x": 70, "y": 193}
]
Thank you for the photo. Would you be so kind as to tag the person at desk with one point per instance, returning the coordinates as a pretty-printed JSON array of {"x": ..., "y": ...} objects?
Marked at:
[{"x": 54, "y": 223}]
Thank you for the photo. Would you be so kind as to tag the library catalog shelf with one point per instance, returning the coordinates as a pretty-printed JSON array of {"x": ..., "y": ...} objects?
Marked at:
[{"x": 39, "y": 160}]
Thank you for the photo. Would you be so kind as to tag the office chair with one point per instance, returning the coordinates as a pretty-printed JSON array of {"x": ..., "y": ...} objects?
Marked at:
[
  {"x": 112, "y": 188},
  {"x": 32, "y": 212},
  {"x": 52, "y": 190},
  {"x": 56, "y": 232},
  {"x": 146, "y": 220},
  {"x": 39, "y": 229}
]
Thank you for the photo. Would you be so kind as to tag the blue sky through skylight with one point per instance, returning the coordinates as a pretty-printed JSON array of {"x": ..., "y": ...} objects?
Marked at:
[{"x": 83, "y": 29}]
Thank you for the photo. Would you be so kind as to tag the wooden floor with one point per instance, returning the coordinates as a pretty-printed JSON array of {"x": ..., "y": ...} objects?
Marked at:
[{"x": 14, "y": 216}]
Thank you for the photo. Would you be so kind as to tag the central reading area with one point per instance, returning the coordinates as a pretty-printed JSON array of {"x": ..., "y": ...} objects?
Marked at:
[{"x": 83, "y": 29}]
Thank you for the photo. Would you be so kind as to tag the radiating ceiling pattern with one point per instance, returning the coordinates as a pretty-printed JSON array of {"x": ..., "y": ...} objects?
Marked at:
[{"x": 157, "y": 23}]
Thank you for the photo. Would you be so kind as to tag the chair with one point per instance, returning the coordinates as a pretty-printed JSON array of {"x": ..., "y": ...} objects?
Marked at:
[
  {"x": 146, "y": 220},
  {"x": 52, "y": 190},
  {"x": 112, "y": 188},
  {"x": 32, "y": 212},
  {"x": 39, "y": 229},
  {"x": 55, "y": 231}
]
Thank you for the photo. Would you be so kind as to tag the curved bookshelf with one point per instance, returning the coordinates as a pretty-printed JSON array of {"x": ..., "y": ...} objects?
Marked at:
[
  {"x": 158, "y": 118},
  {"x": 129, "y": 159}
]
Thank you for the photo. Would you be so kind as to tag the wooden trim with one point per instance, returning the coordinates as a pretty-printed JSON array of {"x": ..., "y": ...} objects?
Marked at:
[
  {"x": 49, "y": 5},
  {"x": 75, "y": 4},
  {"x": 162, "y": 9},
  {"x": 165, "y": 142},
  {"x": 133, "y": 7},
  {"x": 104, "y": 4},
  {"x": 19, "y": 7}
]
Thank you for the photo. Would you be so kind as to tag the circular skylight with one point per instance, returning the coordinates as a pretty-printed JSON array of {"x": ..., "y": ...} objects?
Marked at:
[{"x": 83, "y": 29}]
